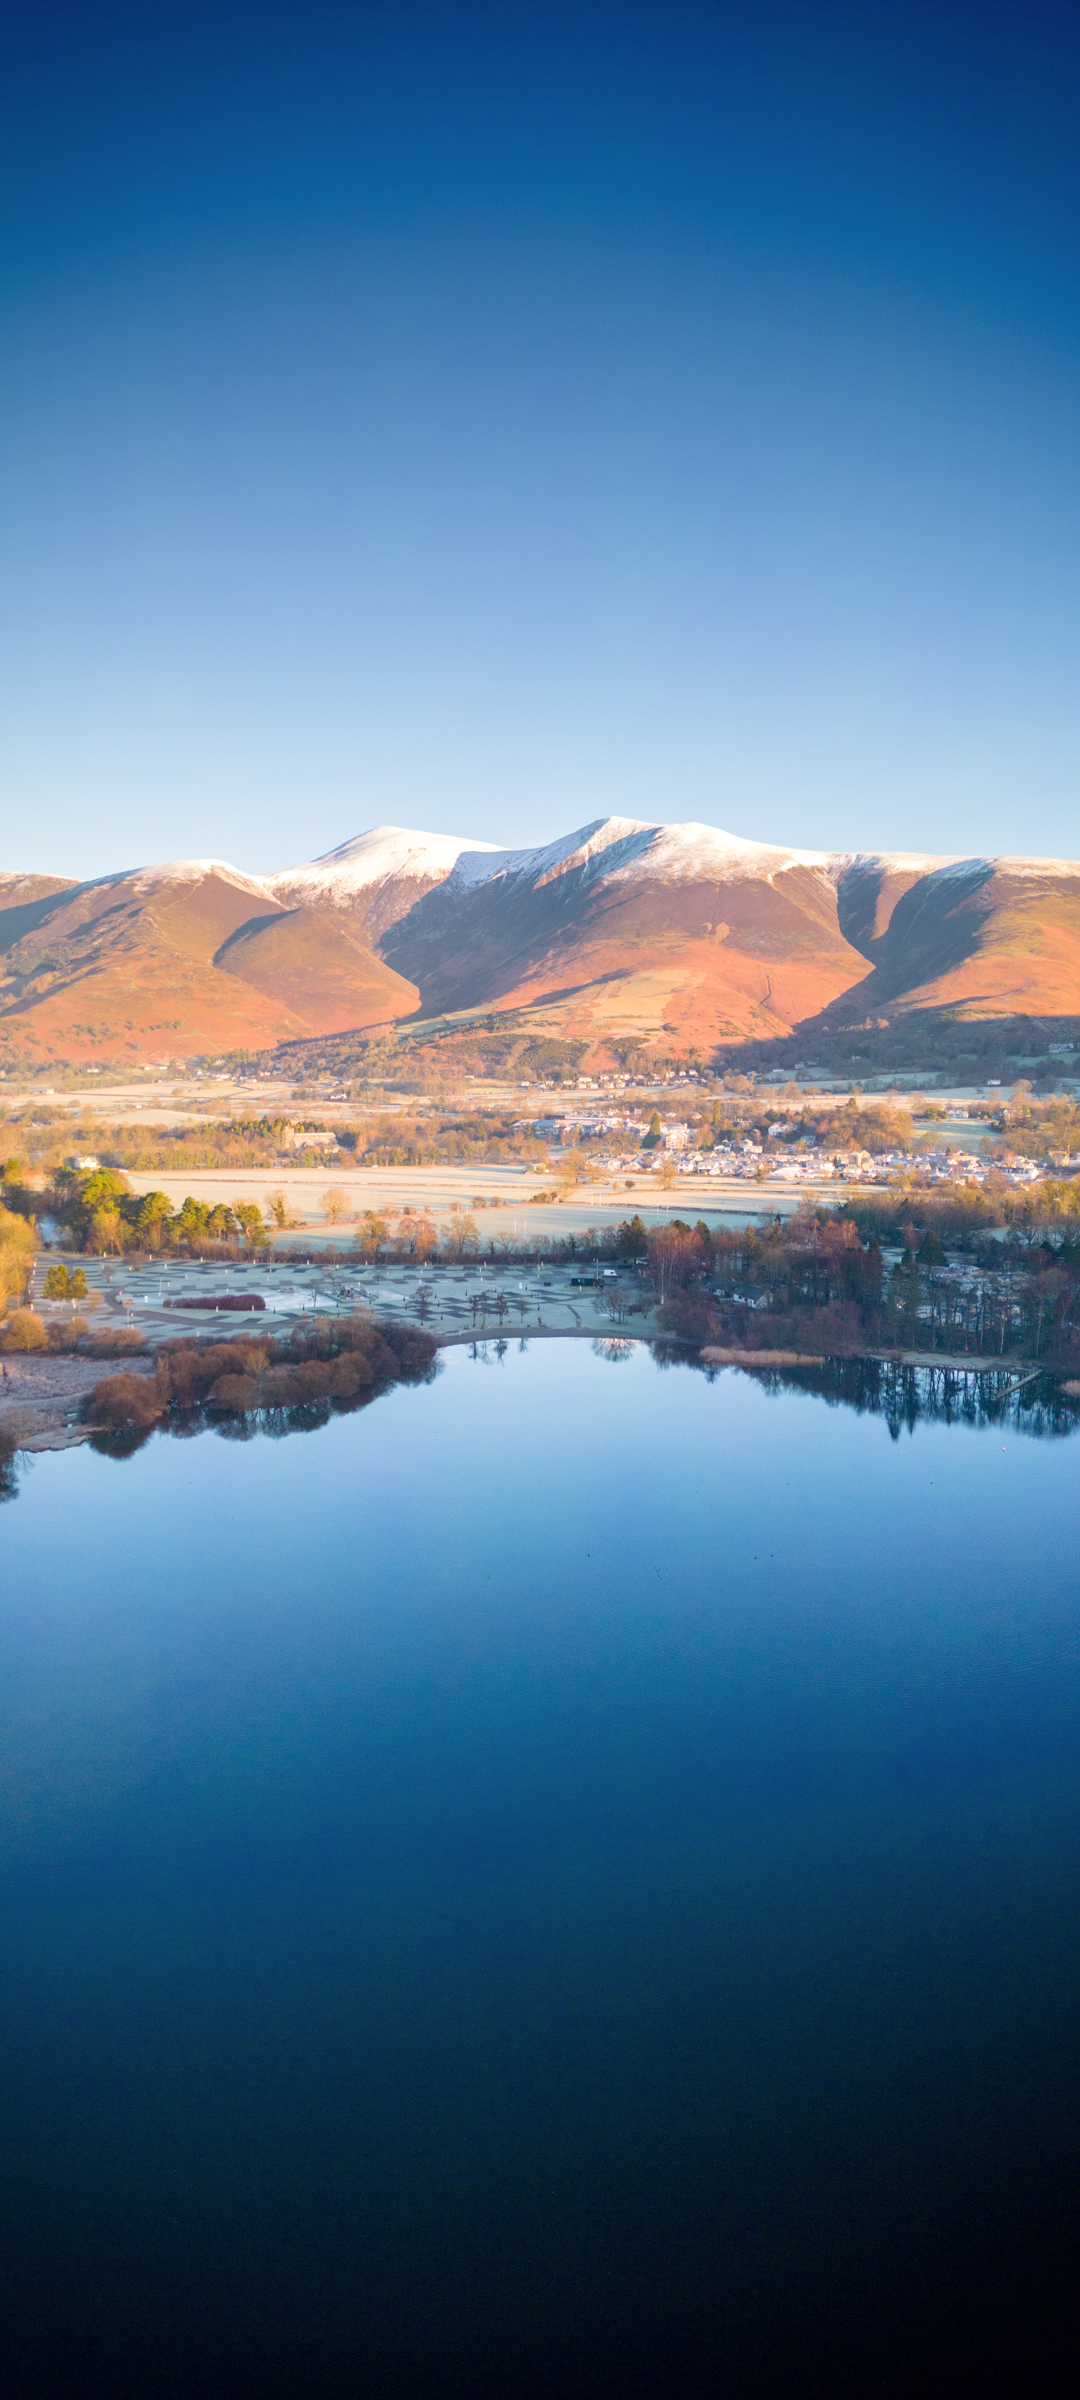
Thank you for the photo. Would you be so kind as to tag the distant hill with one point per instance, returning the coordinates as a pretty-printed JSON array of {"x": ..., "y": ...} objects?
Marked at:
[{"x": 678, "y": 936}]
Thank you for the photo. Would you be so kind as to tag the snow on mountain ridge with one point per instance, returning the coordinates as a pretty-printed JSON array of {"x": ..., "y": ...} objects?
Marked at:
[
  {"x": 682, "y": 853},
  {"x": 190, "y": 870},
  {"x": 580, "y": 848},
  {"x": 918, "y": 862},
  {"x": 620, "y": 848},
  {"x": 383, "y": 853}
]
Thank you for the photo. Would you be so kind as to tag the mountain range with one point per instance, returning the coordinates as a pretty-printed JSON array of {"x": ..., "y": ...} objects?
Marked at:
[{"x": 672, "y": 936}]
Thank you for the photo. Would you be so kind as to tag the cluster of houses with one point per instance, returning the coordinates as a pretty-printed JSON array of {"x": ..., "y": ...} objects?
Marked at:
[{"x": 746, "y": 1158}]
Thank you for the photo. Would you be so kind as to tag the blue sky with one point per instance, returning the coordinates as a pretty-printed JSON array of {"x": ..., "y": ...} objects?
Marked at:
[{"x": 491, "y": 418}]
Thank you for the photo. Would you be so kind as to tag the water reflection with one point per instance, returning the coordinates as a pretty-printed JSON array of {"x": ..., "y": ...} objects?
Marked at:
[
  {"x": 1021, "y": 1400},
  {"x": 1025, "y": 1400}
]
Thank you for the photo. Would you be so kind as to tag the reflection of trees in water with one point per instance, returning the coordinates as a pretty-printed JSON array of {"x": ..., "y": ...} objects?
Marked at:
[
  {"x": 272, "y": 1423},
  {"x": 940, "y": 1395}
]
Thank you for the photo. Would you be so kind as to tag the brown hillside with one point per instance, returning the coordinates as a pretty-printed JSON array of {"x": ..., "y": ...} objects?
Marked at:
[
  {"x": 986, "y": 941},
  {"x": 125, "y": 967},
  {"x": 625, "y": 933},
  {"x": 608, "y": 959},
  {"x": 313, "y": 964}
]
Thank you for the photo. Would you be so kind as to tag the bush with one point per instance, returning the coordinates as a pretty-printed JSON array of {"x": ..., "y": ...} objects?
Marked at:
[
  {"x": 123, "y": 1401},
  {"x": 25, "y": 1331},
  {"x": 234, "y": 1393},
  {"x": 124, "y": 1342},
  {"x": 296, "y": 1387},
  {"x": 691, "y": 1317},
  {"x": 350, "y": 1374},
  {"x": 404, "y": 1349}
]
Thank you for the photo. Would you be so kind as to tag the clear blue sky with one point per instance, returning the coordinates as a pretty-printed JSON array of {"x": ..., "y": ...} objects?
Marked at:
[{"x": 491, "y": 418}]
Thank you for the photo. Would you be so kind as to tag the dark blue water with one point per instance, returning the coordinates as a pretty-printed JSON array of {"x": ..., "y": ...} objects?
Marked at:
[{"x": 565, "y": 1880}]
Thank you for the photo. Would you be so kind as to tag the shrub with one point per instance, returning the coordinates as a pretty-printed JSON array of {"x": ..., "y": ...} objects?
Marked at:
[
  {"x": 125, "y": 1341},
  {"x": 349, "y": 1374},
  {"x": 123, "y": 1401},
  {"x": 691, "y": 1317},
  {"x": 406, "y": 1349},
  {"x": 234, "y": 1393},
  {"x": 295, "y": 1387},
  {"x": 25, "y": 1331}
]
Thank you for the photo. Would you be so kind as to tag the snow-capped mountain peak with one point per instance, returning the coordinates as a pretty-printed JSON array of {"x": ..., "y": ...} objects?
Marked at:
[
  {"x": 192, "y": 870},
  {"x": 386, "y": 853}
]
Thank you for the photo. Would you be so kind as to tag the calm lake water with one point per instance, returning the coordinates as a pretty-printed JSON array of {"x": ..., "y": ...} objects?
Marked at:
[{"x": 565, "y": 1880}]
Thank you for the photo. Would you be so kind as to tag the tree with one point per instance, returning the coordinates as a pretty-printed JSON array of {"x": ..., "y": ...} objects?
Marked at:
[
  {"x": 278, "y": 1212},
  {"x": 424, "y": 1237},
  {"x": 155, "y": 1213},
  {"x": 675, "y": 1258},
  {"x": 374, "y": 1234},
  {"x": 655, "y": 1133},
  {"x": 249, "y": 1218},
  {"x": 463, "y": 1235},
  {"x": 192, "y": 1223},
  {"x": 575, "y": 1168},
  {"x": 107, "y": 1230},
  {"x": 65, "y": 1283},
  {"x": 631, "y": 1240},
  {"x": 335, "y": 1203}
]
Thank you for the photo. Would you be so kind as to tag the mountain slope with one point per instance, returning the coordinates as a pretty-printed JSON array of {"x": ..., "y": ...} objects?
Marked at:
[
  {"x": 376, "y": 878},
  {"x": 626, "y": 930},
  {"x": 620, "y": 932},
  {"x": 125, "y": 966},
  {"x": 983, "y": 937},
  {"x": 318, "y": 969}
]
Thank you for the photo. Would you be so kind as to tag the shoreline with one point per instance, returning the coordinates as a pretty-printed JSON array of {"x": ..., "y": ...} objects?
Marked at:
[{"x": 40, "y": 1396}]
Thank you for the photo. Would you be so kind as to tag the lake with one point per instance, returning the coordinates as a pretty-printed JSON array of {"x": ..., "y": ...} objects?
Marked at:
[{"x": 565, "y": 1879}]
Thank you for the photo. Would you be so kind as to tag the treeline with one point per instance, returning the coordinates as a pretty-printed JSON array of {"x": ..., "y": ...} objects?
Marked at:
[
  {"x": 462, "y": 1138},
  {"x": 42, "y": 1137},
  {"x": 964, "y": 1213},
  {"x": 816, "y": 1285},
  {"x": 330, "y": 1366},
  {"x": 104, "y": 1216}
]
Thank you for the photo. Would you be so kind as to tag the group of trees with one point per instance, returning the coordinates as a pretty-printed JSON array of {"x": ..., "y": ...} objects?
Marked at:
[
  {"x": 399, "y": 1138},
  {"x": 815, "y": 1284},
  {"x": 105, "y": 1216},
  {"x": 962, "y": 1214},
  {"x": 337, "y": 1365},
  {"x": 1039, "y": 1129},
  {"x": 65, "y": 1283}
]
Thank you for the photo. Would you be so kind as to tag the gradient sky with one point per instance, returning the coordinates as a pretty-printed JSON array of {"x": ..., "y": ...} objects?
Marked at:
[{"x": 492, "y": 418}]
